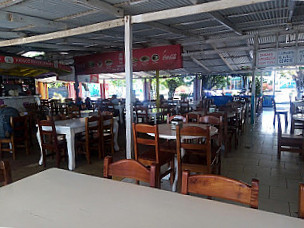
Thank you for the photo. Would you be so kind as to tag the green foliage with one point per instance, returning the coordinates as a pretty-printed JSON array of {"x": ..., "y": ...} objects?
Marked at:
[
  {"x": 118, "y": 83},
  {"x": 213, "y": 81},
  {"x": 172, "y": 84},
  {"x": 55, "y": 85}
]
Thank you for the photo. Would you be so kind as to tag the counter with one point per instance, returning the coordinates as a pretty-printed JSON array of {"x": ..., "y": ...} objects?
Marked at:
[{"x": 17, "y": 101}]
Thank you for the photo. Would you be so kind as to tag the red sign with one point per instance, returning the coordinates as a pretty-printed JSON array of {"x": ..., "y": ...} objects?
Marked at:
[
  {"x": 147, "y": 59},
  {"x": 33, "y": 62}
]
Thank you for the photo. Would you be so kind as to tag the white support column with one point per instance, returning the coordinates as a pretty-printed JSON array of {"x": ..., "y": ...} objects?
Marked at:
[
  {"x": 129, "y": 77},
  {"x": 262, "y": 83},
  {"x": 253, "y": 92}
]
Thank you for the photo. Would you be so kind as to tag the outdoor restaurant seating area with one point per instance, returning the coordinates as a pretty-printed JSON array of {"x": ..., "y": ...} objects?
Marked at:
[
  {"x": 170, "y": 147},
  {"x": 151, "y": 113}
]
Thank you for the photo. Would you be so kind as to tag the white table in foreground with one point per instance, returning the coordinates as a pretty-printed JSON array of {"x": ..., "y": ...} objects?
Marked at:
[
  {"x": 71, "y": 127},
  {"x": 59, "y": 198}
]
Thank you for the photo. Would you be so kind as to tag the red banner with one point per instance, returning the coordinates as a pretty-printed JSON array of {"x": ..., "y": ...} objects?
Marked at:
[
  {"x": 33, "y": 62},
  {"x": 147, "y": 59}
]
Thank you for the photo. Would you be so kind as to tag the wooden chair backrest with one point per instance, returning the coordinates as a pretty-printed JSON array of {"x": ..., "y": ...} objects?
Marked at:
[
  {"x": 170, "y": 118},
  {"x": 138, "y": 130},
  {"x": 221, "y": 187},
  {"x": 141, "y": 112},
  {"x": 301, "y": 200},
  {"x": 5, "y": 173},
  {"x": 92, "y": 125},
  {"x": 214, "y": 121},
  {"x": 129, "y": 168},
  {"x": 108, "y": 126},
  {"x": 74, "y": 111},
  {"x": 191, "y": 117},
  {"x": 198, "y": 146},
  {"x": 20, "y": 126},
  {"x": 48, "y": 137}
]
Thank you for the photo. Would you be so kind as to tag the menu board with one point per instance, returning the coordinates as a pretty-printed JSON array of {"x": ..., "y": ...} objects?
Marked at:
[
  {"x": 266, "y": 58},
  {"x": 280, "y": 57},
  {"x": 286, "y": 57},
  {"x": 301, "y": 56}
]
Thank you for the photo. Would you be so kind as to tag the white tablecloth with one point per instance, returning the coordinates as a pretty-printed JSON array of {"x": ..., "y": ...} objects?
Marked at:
[
  {"x": 71, "y": 127},
  {"x": 59, "y": 198}
]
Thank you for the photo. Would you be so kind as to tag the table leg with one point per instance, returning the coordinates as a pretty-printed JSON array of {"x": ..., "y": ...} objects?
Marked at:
[
  {"x": 174, "y": 186},
  {"x": 115, "y": 131},
  {"x": 70, "y": 138},
  {"x": 39, "y": 142}
]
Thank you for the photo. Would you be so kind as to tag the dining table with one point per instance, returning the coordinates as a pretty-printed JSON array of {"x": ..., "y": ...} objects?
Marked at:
[
  {"x": 165, "y": 131},
  {"x": 60, "y": 198},
  {"x": 70, "y": 128}
]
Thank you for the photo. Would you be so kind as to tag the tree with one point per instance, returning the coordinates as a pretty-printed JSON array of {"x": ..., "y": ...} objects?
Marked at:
[
  {"x": 211, "y": 81},
  {"x": 172, "y": 84},
  {"x": 299, "y": 78}
]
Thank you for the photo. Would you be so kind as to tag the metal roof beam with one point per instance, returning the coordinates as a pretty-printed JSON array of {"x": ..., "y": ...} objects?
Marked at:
[
  {"x": 28, "y": 20},
  {"x": 192, "y": 10},
  {"x": 101, "y": 5},
  {"x": 65, "y": 33},
  {"x": 219, "y": 18},
  {"x": 9, "y": 3},
  {"x": 222, "y": 57},
  {"x": 167, "y": 28},
  {"x": 200, "y": 63},
  {"x": 291, "y": 8}
]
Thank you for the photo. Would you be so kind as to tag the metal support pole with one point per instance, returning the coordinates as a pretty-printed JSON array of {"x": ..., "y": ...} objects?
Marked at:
[
  {"x": 253, "y": 92},
  {"x": 129, "y": 77},
  {"x": 262, "y": 83},
  {"x": 157, "y": 90}
]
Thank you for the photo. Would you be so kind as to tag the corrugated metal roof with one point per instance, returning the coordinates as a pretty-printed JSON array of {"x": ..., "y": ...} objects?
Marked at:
[{"x": 203, "y": 33}]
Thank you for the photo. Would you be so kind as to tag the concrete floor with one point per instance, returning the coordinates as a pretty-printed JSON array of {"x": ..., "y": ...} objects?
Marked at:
[{"x": 255, "y": 157}]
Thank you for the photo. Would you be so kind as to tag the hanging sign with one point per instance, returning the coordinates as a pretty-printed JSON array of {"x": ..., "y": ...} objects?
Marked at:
[
  {"x": 266, "y": 58},
  {"x": 33, "y": 63},
  {"x": 286, "y": 57},
  {"x": 280, "y": 57},
  {"x": 147, "y": 59},
  {"x": 301, "y": 56}
]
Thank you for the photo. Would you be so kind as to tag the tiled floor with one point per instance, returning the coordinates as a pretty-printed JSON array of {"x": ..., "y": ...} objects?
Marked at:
[{"x": 255, "y": 157}]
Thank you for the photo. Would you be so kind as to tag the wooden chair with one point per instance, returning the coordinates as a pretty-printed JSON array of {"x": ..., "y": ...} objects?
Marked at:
[
  {"x": 216, "y": 122},
  {"x": 74, "y": 111},
  {"x": 180, "y": 117},
  {"x": 288, "y": 142},
  {"x": 142, "y": 114},
  {"x": 199, "y": 156},
  {"x": 92, "y": 138},
  {"x": 19, "y": 136},
  {"x": 107, "y": 133},
  {"x": 51, "y": 141},
  {"x": 221, "y": 187},
  {"x": 5, "y": 173},
  {"x": 184, "y": 107},
  {"x": 301, "y": 200},
  {"x": 224, "y": 130},
  {"x": 279, "y": 111},
  {"x": 129, "y": 168},
  {"x": 192, "y": 118},
  {"x": 150, "y": 156}
]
